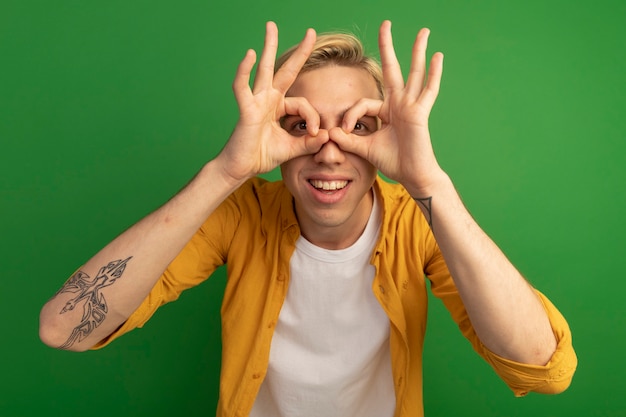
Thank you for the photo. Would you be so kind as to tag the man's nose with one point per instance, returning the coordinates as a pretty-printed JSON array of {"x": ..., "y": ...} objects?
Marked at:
[{"x": 330, "y": 153}]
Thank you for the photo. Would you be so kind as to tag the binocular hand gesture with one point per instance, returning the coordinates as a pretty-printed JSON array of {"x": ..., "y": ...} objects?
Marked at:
[
  {"x": 401, "y": 149},
  {"x": 259, "y": 143}
]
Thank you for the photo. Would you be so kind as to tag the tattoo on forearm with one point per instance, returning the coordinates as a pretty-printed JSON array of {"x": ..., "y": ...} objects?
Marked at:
[
  {"x": 427, "y": 204},
  {"x": 87, "y": 292}
]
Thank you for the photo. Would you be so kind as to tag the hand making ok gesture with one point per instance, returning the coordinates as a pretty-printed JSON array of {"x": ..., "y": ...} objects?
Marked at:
[
  {"x": 401, "y": 149},
  {"x": 258, "y": 143}
]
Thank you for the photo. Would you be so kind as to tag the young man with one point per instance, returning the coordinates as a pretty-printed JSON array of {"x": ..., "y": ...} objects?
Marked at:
[{"x": 324, "y": 310}]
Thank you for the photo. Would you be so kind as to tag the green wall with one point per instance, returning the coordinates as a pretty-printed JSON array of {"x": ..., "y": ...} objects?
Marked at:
[{"x": 108, "y": 108}]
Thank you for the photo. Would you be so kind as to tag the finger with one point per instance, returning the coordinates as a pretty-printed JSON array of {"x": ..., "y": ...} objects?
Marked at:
[
  {"x": 392, "y": 73},
  {"x": 417, "y": 73},
  {"x": 363, "y": 108},
  {"x": 348, "y": 143},
  {"x": 435, "y": 71},
  {"x": 300, "y": 106},
  {"x": 241, "y": 84},
  {"x": 313, "y": 144},
  {"x": 306, "y": 145},
  {"x": 265, "y": 71},
  {"x": 287, "y": 73}
]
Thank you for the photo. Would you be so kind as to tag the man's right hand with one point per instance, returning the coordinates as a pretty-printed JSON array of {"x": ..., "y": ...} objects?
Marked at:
[{"x": 259, "y": 143}]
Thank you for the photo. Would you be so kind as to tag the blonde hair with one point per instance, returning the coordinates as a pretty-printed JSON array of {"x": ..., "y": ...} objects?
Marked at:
[{"x": 342, "y": 49}]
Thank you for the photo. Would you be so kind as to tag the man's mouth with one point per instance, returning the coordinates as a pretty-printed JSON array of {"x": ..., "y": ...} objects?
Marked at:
[{"x": 328, "y": 185}]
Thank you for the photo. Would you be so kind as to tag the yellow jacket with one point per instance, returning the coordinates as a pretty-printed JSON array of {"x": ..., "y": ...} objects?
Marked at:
[{"x": 254, "y": 232}]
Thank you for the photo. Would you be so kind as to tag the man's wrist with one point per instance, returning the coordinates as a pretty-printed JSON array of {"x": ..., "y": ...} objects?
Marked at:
[{"x": 434, "y": 186}]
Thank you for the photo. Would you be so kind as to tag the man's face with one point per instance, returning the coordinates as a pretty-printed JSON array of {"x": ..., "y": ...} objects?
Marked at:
[{"x": 332, "y": 188}]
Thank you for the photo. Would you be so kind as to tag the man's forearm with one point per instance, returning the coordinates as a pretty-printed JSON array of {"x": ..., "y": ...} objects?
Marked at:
[
  {"x": 98, "y": 298},
  {"x": 505, "y": 312}
]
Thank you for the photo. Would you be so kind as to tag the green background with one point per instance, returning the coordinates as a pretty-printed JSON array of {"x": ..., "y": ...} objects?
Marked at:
[{"x": 108, "y": 108}]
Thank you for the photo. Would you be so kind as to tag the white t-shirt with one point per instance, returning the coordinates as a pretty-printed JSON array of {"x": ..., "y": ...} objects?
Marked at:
[{"x": 330, "y": 350}]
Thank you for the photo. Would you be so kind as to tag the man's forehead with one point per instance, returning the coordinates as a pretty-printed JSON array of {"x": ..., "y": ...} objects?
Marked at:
[{"x": 334, "y": 79}]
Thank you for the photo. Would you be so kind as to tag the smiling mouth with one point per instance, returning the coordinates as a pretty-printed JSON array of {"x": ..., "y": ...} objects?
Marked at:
[{"x": 328, "y": 185}]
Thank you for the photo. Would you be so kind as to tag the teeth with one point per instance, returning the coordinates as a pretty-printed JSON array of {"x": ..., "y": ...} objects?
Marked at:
[{"x": 328, "y": 185}]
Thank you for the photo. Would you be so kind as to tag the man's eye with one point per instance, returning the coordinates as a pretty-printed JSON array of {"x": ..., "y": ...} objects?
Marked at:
[
  {"x": 361, "y": 128},
  {"x": 294, "y": 125},
  {"x": 298, "y": 128}
]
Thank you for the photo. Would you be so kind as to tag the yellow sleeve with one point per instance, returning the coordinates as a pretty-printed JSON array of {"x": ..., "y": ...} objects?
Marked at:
[
  {"x": 202, "y": 255},
  {"x": 552, "y": 378}
]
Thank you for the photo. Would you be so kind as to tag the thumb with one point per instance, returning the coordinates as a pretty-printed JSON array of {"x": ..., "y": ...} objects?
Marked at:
[
  {"x": 308, "y": 144},
  {"x": 348, "y": 142}
]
